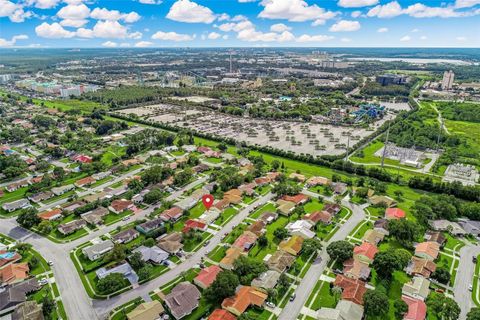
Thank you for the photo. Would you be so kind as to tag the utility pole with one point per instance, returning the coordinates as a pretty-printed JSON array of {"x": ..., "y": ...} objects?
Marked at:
[{"x": 385, "y": 146}]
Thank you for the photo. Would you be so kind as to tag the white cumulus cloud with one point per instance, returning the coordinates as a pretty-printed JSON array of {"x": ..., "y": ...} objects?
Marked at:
[
  {"x": 171, "y": 36},
  {"x": 345, "y": 26},
  {"x": 214, "y": 35},
  {"x": 13, "y": 41},
  {"x": 280, "y": 27},
  {"x": 293, "y": 10},
  {"x": 389, "y": 10},
  {"x": 382, "y": 30},
  {"x": 191, "y": 12},
  {"x": 356, "y": 3},
  {"x": 53, "y": 31},
  {"x": 143, "y": 44},
  {"x": 110, "y": 44},
  {"x": 314, "y": 38}
]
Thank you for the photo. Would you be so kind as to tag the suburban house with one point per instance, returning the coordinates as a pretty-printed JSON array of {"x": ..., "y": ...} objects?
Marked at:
[
  {"x": 420, "y": 267},
  {"x": 183, "y": 299},
  {"x": 244, "y": 297},
  {"x": 435, "y": 236},
  {"x": 172, "y": 243},
  {"x": 317, "y": 181},
  {"x": 280, "y": 261},
  {"x": 207, "y": 276},
  {"x": 58, "y": 191},
  {"x": 120, "y": 205},
  {"x": 332, "y": 208},
  {"x": 71, "y": 227},
  {"x": 84, "y": 182},
  {"x": 297, "y": 176},
  {"x": 70, "y": 207},
  {"x": 149, "y": 226},
  {"x": 444, "y": 225},
  {"x": 345, "y": 310},
  {"x": 16, "y": 205},
  {"x": 379, "y": 200},
  {"x": 417, "y": 288},
  {"x": 17, "y": 185},
  {"x": 7, "y": 257},
  {"x": 97, "y": 250},
  {"x": 293, "y": 245},
  {"x": 339, "y": 187},
  {"x": 381, "y": 226},
  {"x": 220, "y": 314},
  {"x": 356, "y": 269},
  {"x": 95, "y": 217},
  {"x": 318, "y": 216},
  {"x": 51, "y": 215},
  {"x": 285, "y": 207},
  {"x": 428, "y": 250},
  {"x": 352, "y": 289},
  {"x": 268, "y": 217},
  {"x": 101, "y": 175},
  {"x": 15, "y": 294},
  {"x": 173, "y": 214},
  {"x": 186, "y": 204},
  {"x": 365, "y": 252},
  {"x": 417, "y": 309},
  {"x": 14, "y": 272},
  {"x": 300, "y": 228},
  {"x": 153, "y": 254},
  {"x": 373, "y": 236},
  {"x": 147, "y": 311},
  {"x": 266, "y": 280},
  {"x": 41, "y": 196},
  {"x": 124, "y": 269},
  {"x": 125, "y": 236},
  {"x": 221, "y": 204},
  {"x": 297, "y": 199},
  {"x": 233, "y": 196},
  {"x": 192, "y": 224},
  {"x": 246, "y": 241},
  {"x": 209, "y": 216},
  {"x": 394, "y": 213},
  {"x": 257, "y": 227},
  {"x": 231, "y": 255}
]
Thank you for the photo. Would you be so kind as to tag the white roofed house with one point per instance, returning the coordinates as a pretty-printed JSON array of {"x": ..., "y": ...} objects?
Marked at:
[
  {"x": 16, "y": 205},
  {"x": 97, "y": 250},
  {"x": 300, "y": 228}
]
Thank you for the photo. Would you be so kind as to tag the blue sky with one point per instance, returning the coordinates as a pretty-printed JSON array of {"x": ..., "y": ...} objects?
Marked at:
[{"x": 248, "y": 23}]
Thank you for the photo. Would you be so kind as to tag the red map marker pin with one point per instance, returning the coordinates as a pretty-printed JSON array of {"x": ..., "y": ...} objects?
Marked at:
[{"x": 207, "y": 200}]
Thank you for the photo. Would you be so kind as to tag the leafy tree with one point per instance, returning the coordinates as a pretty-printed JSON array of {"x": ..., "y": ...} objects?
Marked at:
[
  {"x": 136, "y": 261},
  {"x": 150, "y": 242},
  {"x": 340, "y": 250},
  {"x": 385, "y": 263},
  {"x": 224, "y": 286},
  {"x": 247, "y": 269},
  {"x": 280, "y": 233},
  {"x": 473, "y": 314},
  {"x": 404, "y": 231},
  {"x": 375, "y": 303},
  {"x": 275, "y": 164},
  {"x": 117, "y": 254},
  {"x": 111, "y": 283},
  {"x": 145, "y": 272},
  {"x": 59, "y": 173},
  {"x": 443, "y": 307},
  {"x": 45, "y": 227},
  {"x": 403, "y": 257},
  {"x": 153, "y": 196},
  {"x": 28, "y": 218},
  {"x": 442, "y": 275},
  {"x": 401, "y": 308},
  {"x": 311, "y": 246},
  {"x": 263, "y": 241},
  {"x": 48, "y": 305}
]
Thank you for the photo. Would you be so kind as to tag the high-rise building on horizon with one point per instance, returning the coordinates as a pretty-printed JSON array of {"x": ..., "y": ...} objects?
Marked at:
[{"x": 447, "y": 81}]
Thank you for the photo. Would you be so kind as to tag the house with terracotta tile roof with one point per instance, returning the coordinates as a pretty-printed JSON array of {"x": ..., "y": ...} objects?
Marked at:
[
  {"x": 352, "y": 289},
  {"x": 356, "y": 269},
  {"x": 417, "y": 288},
  {"x": 14, "y": 272},
  {"x": 318, "y": 216},
  {"x": 221, "y": 204},
  {"x": 192, "y": 224},
  {"x": 417, "y": 309},
  {"x": 297, "y": 199},
  {"x": 207, "y": 276},
  {"x": 273, "y": 175},
  {"x": 332, "y": 208},
  {"x": 373, "y": 236},
  {"x": 293, "y": 245},
  {"x": 420, "y": 267},
  {"x": 233, "y": 196},
  {"x": 365, "y": 252},
  {"x": 173, "y": 214},
  {"x": 246, "y": 241},
  {"x": 84, "y": 182},
  {"x": 220, "y": 314},
  {"x": 394, "y": 213},
  {"x": 245, "y": 297},
  {"x": 231, "y": 255},
  {"x": 51, "y": 215},
  {"x": 428, "y": 250},
  {"x": 120, "y": 205}
]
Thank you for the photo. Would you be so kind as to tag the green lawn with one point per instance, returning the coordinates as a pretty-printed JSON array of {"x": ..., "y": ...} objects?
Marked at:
[
  {"x": 267, "y": 207},
  {"x": 218, "y": 253},
  {"x": 323, "y": 298},
  {"x": 313, "y": 205},
  {"x": 225, "y": 216}
]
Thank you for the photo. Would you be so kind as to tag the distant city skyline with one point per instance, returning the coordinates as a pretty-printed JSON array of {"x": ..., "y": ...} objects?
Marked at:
[{"x": 239, "y": 23}]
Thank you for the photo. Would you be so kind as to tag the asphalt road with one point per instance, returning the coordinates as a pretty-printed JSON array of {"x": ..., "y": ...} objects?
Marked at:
[
  {"x": 465, "y": 274},
  {"x": 78, "y": 305},
  {"x": 293, "y": 308}
]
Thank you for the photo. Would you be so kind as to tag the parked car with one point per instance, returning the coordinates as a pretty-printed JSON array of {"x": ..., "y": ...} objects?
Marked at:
[
  {"x": 270, "y": 304},
  {"x": 292, "y": 297},
  {"x": 470, "y": 287}
]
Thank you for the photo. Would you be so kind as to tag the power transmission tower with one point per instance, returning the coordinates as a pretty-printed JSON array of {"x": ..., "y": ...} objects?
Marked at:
[{"x": 385, "y": 146}]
